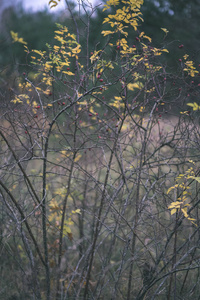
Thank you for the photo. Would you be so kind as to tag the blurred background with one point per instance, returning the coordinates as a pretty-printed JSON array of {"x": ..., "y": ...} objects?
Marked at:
[{"x": 35, "y": 22}]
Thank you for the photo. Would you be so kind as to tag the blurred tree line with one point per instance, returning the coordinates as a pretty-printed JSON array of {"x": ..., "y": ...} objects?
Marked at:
[{"x": 179, "y": 17}]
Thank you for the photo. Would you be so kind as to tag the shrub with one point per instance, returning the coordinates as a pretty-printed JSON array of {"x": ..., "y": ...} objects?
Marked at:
[{"x": 91, "y": 144}]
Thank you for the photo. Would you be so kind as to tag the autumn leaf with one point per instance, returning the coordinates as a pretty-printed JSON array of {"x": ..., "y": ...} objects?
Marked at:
[
  {"x": 53, "y": 3},
  {"x": 15, "y": 38},
  {"x": 195, "y": 178},
  {"x": 165, "y": 30},
  {"x": 173, "y": 211}
]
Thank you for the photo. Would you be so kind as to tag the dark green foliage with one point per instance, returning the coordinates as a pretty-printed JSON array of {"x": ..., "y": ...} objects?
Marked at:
[
  {"x": 35, "y": 28},
  {"x": 181, "y": 18}
]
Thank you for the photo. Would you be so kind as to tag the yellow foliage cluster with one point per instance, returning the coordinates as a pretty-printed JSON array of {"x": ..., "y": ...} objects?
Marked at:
[
  {"x": 55, "y": 214},
  {"x": 189, "y": 66},
  {"x": 15, "y": 38},
  {"x": 59, "y": 55},
  {"x": 183, "y": 189},
  {"x": 58, "y": 59},
  {"x": 129, "y": 14},
  {"x": 194, "y": 105}
]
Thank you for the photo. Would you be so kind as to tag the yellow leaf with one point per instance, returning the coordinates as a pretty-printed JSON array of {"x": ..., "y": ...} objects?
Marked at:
[
  {"x": 110, "y": 3},
  {"x": 195, "y": 178},
  {"x": 173, "y": 211},
  {"x": 68, "y": 73},
  {"x": 184, "y": 210},
  {"x": 165, "y": 30},
  {"x": 58, "y": 32},
  {"x": 142, "y": 108},
  {"x": 53, "y": 3},
  {"x": 77, "y": 211},
  {"x": 38, "y": 52},
  {"x": 171, "y": 188},
  {"x": 174, "y": 204},
  {"x": 118, "y": 98},
  {"x": 15, "y": 38},
  {"x": 66, "y": 230},
  {"x": 136, "y": 85},
  {"x": 107, "y": 32},
  {"x": 77, "y": 157},
  {"x": 191, "y": 219},
  {"x": 148, "y": 38},
  {"x": 141, "y": 34},
  {"x": 165, "y": 50},
  {"x": 185, "y": 56}
]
